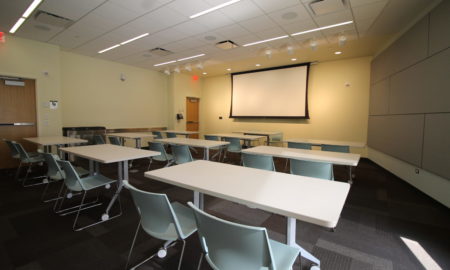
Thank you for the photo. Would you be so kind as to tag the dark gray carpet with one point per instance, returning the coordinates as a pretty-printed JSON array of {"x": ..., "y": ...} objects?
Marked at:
[{"x": 379, "y": 211}]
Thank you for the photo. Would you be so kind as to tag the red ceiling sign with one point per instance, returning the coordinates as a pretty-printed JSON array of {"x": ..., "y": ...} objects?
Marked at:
[{"x": 2, "y": 37}]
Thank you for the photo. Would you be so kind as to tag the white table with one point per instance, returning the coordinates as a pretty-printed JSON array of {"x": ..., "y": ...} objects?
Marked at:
[
  {"x": 137, "y": 136},
  {"x": 245, "y": 138},
  {"x": 267, "y": 134},
  {"x": 328, "y": 142},
  {"x": 307, "y": 199},
  {"x": 206, "y": 144},
  {"x": 49, "y": 141},
  {"x": 179, "y": 132},
  {"x": 108, "y": 153}
]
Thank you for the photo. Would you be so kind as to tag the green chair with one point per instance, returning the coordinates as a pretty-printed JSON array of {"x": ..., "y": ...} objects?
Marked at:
[
  {"x": 336, "y": 148},
  {"x": 31, "y": 160},
  {"x": 234, "y": 147},
  {"x": 157, "y": 134},
  {"x": 115, "y": 140},
  {"x": 75, "y": 184},
  {"x": 321, "y": 170},
  {"x": 163, "y": 157},
  {"x": 258, "y": 161},
  {"x": 219, "y": 149},
  {"x": 16, "y": 155},
  {"x": 181, "y": 153},
  {"x": 230, "y": 246},
  {"x": 296, "y": 145},
  {"x": 171, "y": 135},
  {"x": 161, "y": 219},
  {"x": 98, "y": 139}
]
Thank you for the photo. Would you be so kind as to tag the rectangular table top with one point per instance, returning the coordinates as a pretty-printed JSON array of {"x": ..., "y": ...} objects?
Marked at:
[
  {"x": 183, "y": 132},
  {"x": 308, "y": 199},
  {"x": 330, "y": 142},
  {"x": 237, "y": 135},
  {"x": 259, "y": 132},
  {"x": 131, "y": 135},
  {"x": 54, "y": 140},
  {"x": 109, "y": 153},
  {"x": 193, "y": 142},
  {"x": 303, "y": 154}
]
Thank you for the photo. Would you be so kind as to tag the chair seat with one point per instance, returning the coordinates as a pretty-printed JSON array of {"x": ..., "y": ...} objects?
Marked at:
[
  {"x": 34, "y": 159},
  {"x": 57, "y": 176},
  {"x": 161, "y": 157},
  {"x": 284, "y": 255},
  {"x": 95, "y": 181}
]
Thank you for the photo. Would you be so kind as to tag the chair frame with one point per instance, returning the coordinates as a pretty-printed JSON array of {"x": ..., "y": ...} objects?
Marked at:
[{"x": 26, "y": 158}]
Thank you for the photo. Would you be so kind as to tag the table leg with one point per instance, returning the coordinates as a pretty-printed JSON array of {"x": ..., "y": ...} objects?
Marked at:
[
  {"x": 91, "y": 167},
  {"x": 198, "y": 199},
  {"x": 123, "y": 175},
  {"x": 207, "y": 153},
  {"x": 290, "y": 240},
  {"x": 350, "y": 178}
]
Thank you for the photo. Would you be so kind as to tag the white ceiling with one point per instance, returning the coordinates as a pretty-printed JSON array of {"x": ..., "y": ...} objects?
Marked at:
[{"x": 99, "y": 24}]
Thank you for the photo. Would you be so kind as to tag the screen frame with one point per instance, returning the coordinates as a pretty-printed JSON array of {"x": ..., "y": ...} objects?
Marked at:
[{"x": 307, "y": 64}]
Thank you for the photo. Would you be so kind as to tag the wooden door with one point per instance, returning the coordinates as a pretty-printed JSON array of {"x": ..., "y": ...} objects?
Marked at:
[
  {"x": 192, "y": 119},
  {"x": 17, "y": 118}
]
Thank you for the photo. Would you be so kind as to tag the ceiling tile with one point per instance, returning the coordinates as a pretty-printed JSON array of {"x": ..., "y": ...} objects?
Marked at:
[
  {"x": 10, "y": 12},
  {"x": 242, "y": 10},
  {"x": 70, "y": 39},
  {"x": 37, "y": 31},
  {"x": 114, "y": 12},
  {"x": 70, "y": 9},
  {"x": 370, "y": 11},
  {"x": 157, "y": 20},
  {"x": 210, "y": 37},
  {"x": 189, "y": 28},
  {"x": 189, "y": 8},
  {"x": 213, "y": 20},
  {"x": 299, "y": 26},
  {"x": 258, "y": 24},
  {"x": 232, "y": 31},
  {"x": 271, "y": 5},
  {"x": 271, "y": 33},
  {"x": 355, "y": 3},
  {"x": 91, "y": 48},
  {"x": 290, "y": 15},
  {"x": 333, "y": 18},
  {"x": 140, "y": 6}
]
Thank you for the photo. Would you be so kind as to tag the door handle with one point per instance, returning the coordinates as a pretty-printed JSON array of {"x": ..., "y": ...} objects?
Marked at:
[
  {"x": 192, "y": 122},
  {"x": 18, "y": 124}
]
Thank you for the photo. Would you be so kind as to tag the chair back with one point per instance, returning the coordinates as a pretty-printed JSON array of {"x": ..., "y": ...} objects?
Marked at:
[
  {"x": 72, "y": 179},
  {"x": 229, "y": 245},
  {"x": 212, "y": 138},
  {"x": 98, "y": 139},
  {"x": 158, "y": 147},
  {"x": 157, "y": 216},
  {"x": 22, "y": 152},
  {"x": 296, "y": 145},
  {"x": 171, "y": 135},
  {"x": 53, "y": 170},
  {"x": 258, "y": 161},
  {"x": 114, "y": 140},
  {"x": 12, "y": 148},
  {"x": 181, "y": 154},
  {"x": 157, "y": 134},
  {"x": 235, "y": 144},
  {"x": 312, "y": 169},
  {"x": 336, "y": 148}
]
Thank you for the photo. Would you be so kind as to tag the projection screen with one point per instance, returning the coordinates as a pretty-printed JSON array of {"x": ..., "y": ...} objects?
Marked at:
[{"x": 280, "y": 92}]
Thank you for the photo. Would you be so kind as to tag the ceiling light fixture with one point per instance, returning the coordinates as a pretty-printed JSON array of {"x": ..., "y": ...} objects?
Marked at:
[
  {"x": 313, "y": 44},
  {"x": 110, "y": 48},
  {"x": 229, "y": 69},
  {"x": 190, "y": 57},
  {"x": 290, "y": 49},
  {"x": 266, "y": 40},
  {"x": 177, "y": 69},
  {"x": 322, "y": 28},
  {"x": 268, "y": 53},
  {"x": 165, "y": 63},
  {"x": 133, "y": 39},
  {"x": 338, "y": 52},
  {"x": 293, "y": 59},
  {"x": 188, "y": 68},
  {"x": 25, "y": 15},
  {"x": 258, "y": 65},
  {"x": 213, "y": 8},
  {"x": 167, "y": 71},
  {"x": 341, "y": 40},
  {"x": 199, "y": 66},
  {"x": 204, "y": 73}
]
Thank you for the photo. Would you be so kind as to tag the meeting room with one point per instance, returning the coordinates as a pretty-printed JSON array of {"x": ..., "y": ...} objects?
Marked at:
[{"x": 224, "y": 134}]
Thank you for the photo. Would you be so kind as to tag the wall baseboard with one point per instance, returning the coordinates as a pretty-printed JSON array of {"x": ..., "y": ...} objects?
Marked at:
[{"x": 434, "y": 186}]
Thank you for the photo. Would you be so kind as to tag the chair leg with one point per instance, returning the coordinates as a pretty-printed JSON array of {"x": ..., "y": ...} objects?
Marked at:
[
  {"x": 200, "y": 261},
  {"x": 132, "y": 245},
  {"x": 79, "y": 210},
  {"x": 16, "y": 177},
  {"x": 149, "y": 164},
  {"x": 182, "y": 253}
]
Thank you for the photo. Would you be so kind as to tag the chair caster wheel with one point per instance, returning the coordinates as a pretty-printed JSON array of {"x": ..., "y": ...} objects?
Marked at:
[
  {"x": 314, "y": 267},
  {"x": 69, "y": 195},
  {"x": 108, "y": 186},
  {"x": 45, "y": 181},
  {"x": 105, "y": 217},
  {"x": 162, "y": 252}
]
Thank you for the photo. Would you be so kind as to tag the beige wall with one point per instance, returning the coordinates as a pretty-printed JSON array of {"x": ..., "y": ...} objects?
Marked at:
[
  {"x": 337, "y": 112},
  {"x": 30, "y": 59},
  {"x": 93, "y": 94}
]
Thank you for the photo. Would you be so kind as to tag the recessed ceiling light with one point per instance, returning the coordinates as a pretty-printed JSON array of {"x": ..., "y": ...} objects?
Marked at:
[
  {"x": 204, "y": 73},
  {"x": 266, "y": 40},
  {"x": 322, "y": 28},
  {"x": 293, "y": 59},
  {"x": 229, "y": 69},
  {"x": 338, "y": 52},
  {"x": 213, "y": 8},
  {"x": 258, "y": 65}
]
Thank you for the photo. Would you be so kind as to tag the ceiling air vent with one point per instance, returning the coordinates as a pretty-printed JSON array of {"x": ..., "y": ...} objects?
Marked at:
[
  {"x": 321, "y": 7},
  {"x": 226, "y": 45},
  {"x": 52, "y": 19},
  {"x": 160, "y": 52}
]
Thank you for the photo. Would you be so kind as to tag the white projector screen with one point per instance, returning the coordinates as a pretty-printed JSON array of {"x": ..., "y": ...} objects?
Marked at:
[{"x": 280, "y": 92}]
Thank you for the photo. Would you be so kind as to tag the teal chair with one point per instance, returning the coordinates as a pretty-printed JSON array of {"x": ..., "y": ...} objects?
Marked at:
[
  {"x": 336, "y": 148},
  {"x": 321, "y": 170},
  {"x": 31, "y": 160},
  {"x": 276, "y": 140},
  {"x": 163, "y": 157},
  {"x": 230, "y": 246},
  {"x": 98, "y": 139},
  {"x": 219, "y": 149},
  {"x": 181, "y": 153},
  {"x": 115, "y": 140},
  {"x": 161, "y": 219},
  {"x": 171, "y": 135},
  {"x": 258, "y": 161},
  {"x": 56, "y": 174},
  {"x": 157, "y": 134},
  {"x": 16, "y": 155},
  {"x": 296, "y": 145},
  {"x": 234, "y": 147},
  {"x": 76, "y": 184}
]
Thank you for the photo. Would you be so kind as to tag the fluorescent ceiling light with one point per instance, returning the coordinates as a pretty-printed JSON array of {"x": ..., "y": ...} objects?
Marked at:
[
  {"x": 133, "y": 39},
  {"x": 213, "y": 8},
  {"x": 322, "y": 28},
  {"x": 190, "y": 57},
  {"x": 110, "y": 48},
  {"x": 165, "y": 63},
  {"x": 17, "y": 25},
  {"x": 338, "y": 52},
  {"x": 31, "y": 8},
  {"x": 266, "y": 40}
]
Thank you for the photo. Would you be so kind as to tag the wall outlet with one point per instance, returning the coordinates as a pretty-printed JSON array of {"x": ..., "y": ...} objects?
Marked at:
[
  {"x": 220, "y": 117},
  {"x": 417, "y": 171}
]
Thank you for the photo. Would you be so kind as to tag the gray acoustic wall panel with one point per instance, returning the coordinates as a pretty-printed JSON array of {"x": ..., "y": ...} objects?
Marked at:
[
  {"x": 422, "y": 88},
  {"x": 379, "y": 98},
  {"x": 407, "y": 50},
  {"x": 440, "y": 28},
  {"x": 436, "y": 147},
  {"x": 400, "y": 136}
]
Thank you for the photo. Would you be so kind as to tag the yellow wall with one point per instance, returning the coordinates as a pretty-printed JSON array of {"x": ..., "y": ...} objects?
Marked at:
[
  {"x": 30, "y": 59},
  {"x": 337, "y": 112},
  {"x": 93, "y": 94}
]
